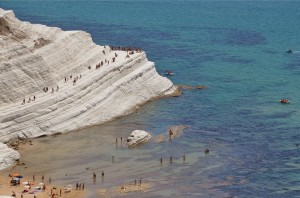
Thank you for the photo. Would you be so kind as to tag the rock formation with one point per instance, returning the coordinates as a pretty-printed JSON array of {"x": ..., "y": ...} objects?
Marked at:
[
  {"x": 7, "y": 156},
  {"x": 172, "y": 132},
  {"x": 54, "y": 81}
]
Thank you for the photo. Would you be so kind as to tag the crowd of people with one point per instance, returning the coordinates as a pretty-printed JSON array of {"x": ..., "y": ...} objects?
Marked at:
[{"x": 128, "y": 49}]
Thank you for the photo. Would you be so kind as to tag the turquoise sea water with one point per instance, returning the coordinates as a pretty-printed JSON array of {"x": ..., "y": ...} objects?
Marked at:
[{"x": 235, "y": 48}]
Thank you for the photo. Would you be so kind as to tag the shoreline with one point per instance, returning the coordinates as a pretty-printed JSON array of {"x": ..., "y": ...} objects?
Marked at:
[{"x": 35, "y": 152}]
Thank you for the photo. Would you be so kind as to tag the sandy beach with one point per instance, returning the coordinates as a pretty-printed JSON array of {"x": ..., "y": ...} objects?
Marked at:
[
  {"x": 53, "y": 190},
  {"x": 57, "y": 191},
  {"x": 36, "y": 180}
]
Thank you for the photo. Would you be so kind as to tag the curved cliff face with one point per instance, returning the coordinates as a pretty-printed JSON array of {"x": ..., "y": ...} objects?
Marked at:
[{"x": 34, "y": 58}]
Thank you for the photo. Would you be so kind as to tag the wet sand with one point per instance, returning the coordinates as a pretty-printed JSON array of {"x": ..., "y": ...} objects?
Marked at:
[{"x": 123, "y": 190}]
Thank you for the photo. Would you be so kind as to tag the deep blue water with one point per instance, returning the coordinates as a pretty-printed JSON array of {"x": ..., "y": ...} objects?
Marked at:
[{"x": 237, "y": 49}]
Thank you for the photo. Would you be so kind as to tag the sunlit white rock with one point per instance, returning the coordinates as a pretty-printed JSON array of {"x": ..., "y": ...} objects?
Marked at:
[
  {"x": 137, "y": 137},
  {"x": 7, "y": 156}
]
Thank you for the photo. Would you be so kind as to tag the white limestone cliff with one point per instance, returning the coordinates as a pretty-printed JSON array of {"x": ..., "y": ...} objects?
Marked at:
[
  {"x": 34, "y": 56},
  {"x": 7, "y": 156}
]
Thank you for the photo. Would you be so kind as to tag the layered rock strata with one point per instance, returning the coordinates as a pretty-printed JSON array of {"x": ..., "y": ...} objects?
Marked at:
[{"x": 55, "y": 81}]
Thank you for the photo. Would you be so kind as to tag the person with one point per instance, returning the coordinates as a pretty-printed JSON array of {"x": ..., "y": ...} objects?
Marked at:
[
  {"x": 13, "y": 194},
  {"x": 289, "y": 51},
  {"x": 284, "y": 101},
  {"x": 206, "y": 151},
  {"x": 170, "y": 133}
]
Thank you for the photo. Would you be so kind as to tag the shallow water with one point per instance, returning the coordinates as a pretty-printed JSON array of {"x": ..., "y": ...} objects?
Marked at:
[
  {"x": 73, "y": 157},
  {"x": 236, "y": 49}
]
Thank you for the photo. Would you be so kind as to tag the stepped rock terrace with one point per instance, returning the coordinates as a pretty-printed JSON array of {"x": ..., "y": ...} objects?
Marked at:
[{"x": 54, "y": 81}]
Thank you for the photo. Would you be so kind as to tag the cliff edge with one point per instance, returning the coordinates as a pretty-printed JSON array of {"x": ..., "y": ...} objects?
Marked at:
[{"x": 55, "y": 81}]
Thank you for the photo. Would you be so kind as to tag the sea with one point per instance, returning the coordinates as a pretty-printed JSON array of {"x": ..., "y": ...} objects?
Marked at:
[{"x": 238, "y": 50}]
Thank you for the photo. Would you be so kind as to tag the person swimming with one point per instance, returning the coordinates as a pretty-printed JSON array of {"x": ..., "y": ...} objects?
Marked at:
[
  {"x": 284, "y": 101},
  {"x": 169, "y": 73}
]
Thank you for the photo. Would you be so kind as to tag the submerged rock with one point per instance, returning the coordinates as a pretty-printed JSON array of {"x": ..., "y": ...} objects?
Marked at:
[
  {"x": 172, "y": 132},
  {"x": 191, "y": 86}
]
